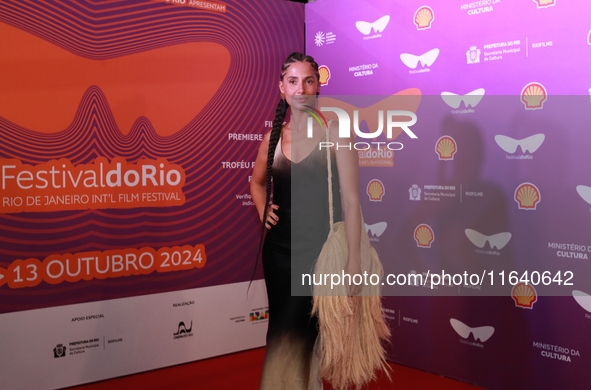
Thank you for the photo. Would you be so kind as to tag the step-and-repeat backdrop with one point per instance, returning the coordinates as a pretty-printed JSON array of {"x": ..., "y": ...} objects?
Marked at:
[
  {"x": 128, "y": 131},
  {"x": 483, "y": 219}
]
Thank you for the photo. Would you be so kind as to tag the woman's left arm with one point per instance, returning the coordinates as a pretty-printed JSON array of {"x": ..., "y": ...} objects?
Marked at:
[{"x": 348, "y": 168}]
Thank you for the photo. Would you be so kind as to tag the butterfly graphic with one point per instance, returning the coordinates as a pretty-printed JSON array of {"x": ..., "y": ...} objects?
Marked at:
[
  {"x": 377, "y": 26},
  {"x": 471, "y": 99},
  {"x": 482, "y": 333},
  {"x": 427, "y": 58},
  {"x": 497, "y": 241},
  {"x": 377, "y": 229},
  {"x": 583, "y": 299},
  {"x": 585, "y": 193},
  {"x": 529, "y": 144}
]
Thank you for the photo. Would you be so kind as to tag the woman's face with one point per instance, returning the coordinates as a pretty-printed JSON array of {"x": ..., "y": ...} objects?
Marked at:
[{"x": 299, "y": 85}]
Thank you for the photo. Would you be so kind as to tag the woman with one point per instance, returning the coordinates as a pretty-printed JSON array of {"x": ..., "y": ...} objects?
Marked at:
[{"x": 295, "y": 168}]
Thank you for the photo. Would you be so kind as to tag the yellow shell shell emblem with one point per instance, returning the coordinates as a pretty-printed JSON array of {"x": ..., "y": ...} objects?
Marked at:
[
  {"x": 446, "y": 147},
  {"x": 423, "y": 18},
  {"x": 324, "y": 74},
  {"x": 524, "y": 295},
  {"x": 533, "y": 96},
  {"x": 527, "y": 196},
  {"x": 424, "y": 236},
  {"x": 545, "y": 3},
  {"x": 375, "y": 190}
]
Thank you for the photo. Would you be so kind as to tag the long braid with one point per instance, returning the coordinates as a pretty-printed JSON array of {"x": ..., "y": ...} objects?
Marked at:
[{"x": 273, "y": 140}]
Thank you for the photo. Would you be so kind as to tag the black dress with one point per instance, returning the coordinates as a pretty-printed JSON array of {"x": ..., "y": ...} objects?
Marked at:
[{"x": 291, "y": 247}]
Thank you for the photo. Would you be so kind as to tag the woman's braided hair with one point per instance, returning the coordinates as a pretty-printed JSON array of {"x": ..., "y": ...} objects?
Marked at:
[{"x": 280, "y": 112}]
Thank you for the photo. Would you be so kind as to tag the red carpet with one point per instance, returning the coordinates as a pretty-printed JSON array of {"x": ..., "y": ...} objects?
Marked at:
[{"x": 242, "y": 371}]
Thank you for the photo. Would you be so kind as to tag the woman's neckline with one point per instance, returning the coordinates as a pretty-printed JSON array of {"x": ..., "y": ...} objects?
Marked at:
[{"x": 303, "y": 159}]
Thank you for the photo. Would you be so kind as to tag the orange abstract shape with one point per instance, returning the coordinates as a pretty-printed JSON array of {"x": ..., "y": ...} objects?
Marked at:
[
  {"x": 446, "y": 147},
  {"x": 324, "y": 73},
  {"x": 424, "y": 17},
  {"x": 527, "y": 196},
  {"x": 42, "y": 84},
  {"x": 405, "y": 100},
  {"x": 376, "y": 190},
  {"x": 424, "y": 236},
  {"x": 533, "y": 96},
  {"x": 524, "y": 295}
]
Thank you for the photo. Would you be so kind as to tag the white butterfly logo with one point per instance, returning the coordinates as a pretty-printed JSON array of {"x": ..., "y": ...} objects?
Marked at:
[
  {"x": 583, "y": 299},
  {"x": 498, "y": 240},
  {"x": 377, "y": 26},
  {"x": 377, "y": 229},
  {"x": 471, "y": 99},
  {"x": 427, "y": 58},
  {"x": 482, "y": 333},
  {"x": 585, "y": 193},
  {"x": 529, "y": 144}
]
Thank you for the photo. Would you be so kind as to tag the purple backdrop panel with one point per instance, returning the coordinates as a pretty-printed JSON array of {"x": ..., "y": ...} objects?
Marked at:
[{"x": 495, "y": 181}]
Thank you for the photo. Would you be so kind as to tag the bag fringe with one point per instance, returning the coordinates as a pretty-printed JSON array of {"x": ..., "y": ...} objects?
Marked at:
[{"x": 352, "y": 328}]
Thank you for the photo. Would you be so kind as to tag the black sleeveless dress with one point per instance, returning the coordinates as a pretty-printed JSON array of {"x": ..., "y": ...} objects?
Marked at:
[{"x": 290, "y": 250}]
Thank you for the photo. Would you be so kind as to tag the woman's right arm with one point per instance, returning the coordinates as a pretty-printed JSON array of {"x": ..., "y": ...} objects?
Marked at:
[{"x": 258, "y": 184}]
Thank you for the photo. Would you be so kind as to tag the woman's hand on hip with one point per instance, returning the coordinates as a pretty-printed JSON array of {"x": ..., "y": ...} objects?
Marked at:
[{"x": 272, "y": 218}]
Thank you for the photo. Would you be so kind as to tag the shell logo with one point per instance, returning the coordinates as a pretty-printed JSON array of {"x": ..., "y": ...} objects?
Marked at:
[
  {"x": 324, "y": 73},
  {"x": 524, "y": 295},
  {"x": 424, "y": 236},
  {"x": 375, "y": 190},
  {"x": 545, "y": 3},
  {"x": 446, "y": 147},
  {"x": 533, "y": 96},
  {"x": 527, "y": 196},
  {"x": 424, "y": 17}
]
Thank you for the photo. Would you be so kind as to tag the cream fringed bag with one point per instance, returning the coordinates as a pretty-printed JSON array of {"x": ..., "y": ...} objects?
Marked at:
[{"x": 351, "y": 329}]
